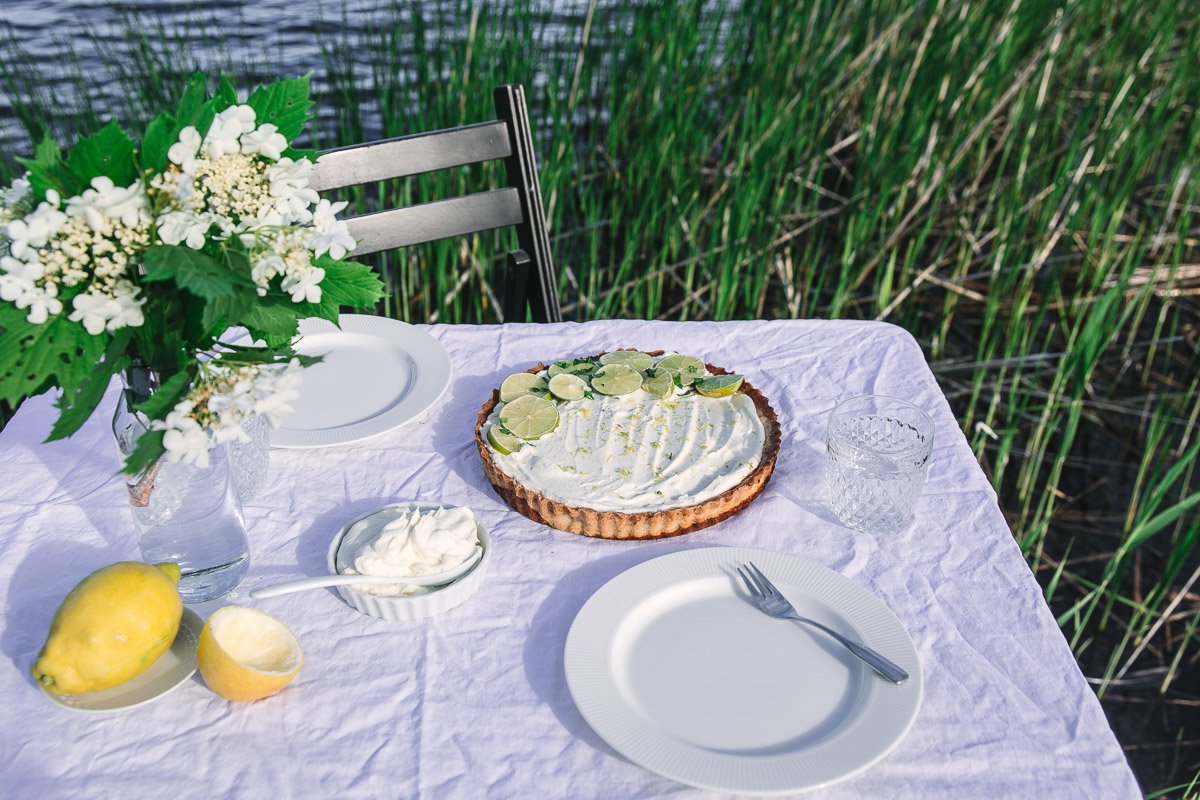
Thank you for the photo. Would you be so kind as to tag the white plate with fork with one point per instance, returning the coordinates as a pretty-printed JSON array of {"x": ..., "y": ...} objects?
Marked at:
[{"x": 675, "y": 668}]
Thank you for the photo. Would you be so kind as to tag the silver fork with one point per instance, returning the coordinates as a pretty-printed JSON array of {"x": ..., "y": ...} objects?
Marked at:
[{"x": 774, "y": 604}]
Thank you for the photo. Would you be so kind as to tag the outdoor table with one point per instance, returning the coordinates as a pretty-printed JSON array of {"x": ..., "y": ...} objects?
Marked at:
[{"x": 474, "y": 703}]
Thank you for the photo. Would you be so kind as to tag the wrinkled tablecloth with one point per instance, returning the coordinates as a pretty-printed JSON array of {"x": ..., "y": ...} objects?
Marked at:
[{"x": 474, "y": 703}]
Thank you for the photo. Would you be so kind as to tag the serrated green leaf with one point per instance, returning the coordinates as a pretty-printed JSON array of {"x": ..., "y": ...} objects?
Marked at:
[
  {"x": 77, "y": 406},
  {"x": 108, "y": 153},
  {"x": 271, "y": 317},
  {"x": 47, "y": 171},
  {"x": 33, "y": 357},
  {"x": 227, "y": 310},
  {"x": 192, "y": 270},
  {"x": 348, "y": 283},
  {"x": 284, "y": 103},
  {"x": 161, "y": 133},
  {"x": 160, "y": 403}
]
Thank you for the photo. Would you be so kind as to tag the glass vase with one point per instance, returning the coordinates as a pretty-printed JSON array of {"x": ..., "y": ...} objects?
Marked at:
[
  {"x": 183, "y": 513},
  {"x": 251, "y": 460}
]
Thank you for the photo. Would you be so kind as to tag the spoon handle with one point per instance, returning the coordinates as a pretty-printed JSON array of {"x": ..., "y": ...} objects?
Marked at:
[
  {"x": 324, "y": 581},
  {"x": 320, "y": 583}
]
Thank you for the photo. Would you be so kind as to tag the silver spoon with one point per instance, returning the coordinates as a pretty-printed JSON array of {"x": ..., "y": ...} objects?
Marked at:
[{"x": 435, "y": 579}]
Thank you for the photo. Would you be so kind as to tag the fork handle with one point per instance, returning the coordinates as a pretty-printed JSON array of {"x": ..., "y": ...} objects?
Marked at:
[{"x": 885, "y": 667}]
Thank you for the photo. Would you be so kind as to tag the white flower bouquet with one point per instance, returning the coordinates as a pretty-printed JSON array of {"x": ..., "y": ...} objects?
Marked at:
[{"x": 121, "y": 253}]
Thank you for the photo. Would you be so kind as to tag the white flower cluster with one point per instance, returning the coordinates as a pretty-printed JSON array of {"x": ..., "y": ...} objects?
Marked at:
[
  {"x": 217, "y": 406},
  {"x": 91, "y": 241},
  {"x": 235, "y": 182}
]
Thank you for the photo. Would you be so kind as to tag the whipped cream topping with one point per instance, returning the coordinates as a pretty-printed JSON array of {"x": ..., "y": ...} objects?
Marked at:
[
  {"x": 635, "y": 452},
  {"x": 417, "y": 542}
]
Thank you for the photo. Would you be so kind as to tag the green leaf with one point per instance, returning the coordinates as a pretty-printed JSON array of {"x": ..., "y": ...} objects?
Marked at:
[
  {"x": 34, "y": 357},
  {"x": 327, "y": 309},
  {"x": 272, "y": 318},
  {"x": 195, "y": 107},
  {"x": 161, "y": 133},
  {"x": 159, "y": 340},
  {"x": 108, "y": 153},
  {"x": 297, "y": 153},
  {"x": 226, "y": 95},
  {"x": 226, "y": 310},
  {"x": 240, "y": 356},
  {"x": 284, "y": 103},
  {"x": 47, "y": 171},
  {"x": 192, "y": 270},
  {"x": 348, "y": 283},
  {"x": 166, "y": 396},
  {"x": 77, "y": 406},
  {"x": 149, "y": 448}
]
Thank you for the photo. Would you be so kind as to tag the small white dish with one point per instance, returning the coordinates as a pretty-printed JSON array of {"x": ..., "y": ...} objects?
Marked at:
[
  {"x": 672, "y": 665},
  {"x": 166, "y": 674},
  {"x": 425, "y": 602},
  {"x": 376, "y": 374}
]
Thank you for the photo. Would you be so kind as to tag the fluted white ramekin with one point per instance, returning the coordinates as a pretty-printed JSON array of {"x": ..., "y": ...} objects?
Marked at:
[{"x": 416, "y": 606}]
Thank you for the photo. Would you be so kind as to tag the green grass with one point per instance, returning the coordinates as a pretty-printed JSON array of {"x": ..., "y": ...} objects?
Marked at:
[{"x": 1016, "y": 184}]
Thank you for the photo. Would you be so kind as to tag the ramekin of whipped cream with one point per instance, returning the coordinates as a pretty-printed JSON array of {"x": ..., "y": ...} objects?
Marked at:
[{"x": 410, "y": 540}]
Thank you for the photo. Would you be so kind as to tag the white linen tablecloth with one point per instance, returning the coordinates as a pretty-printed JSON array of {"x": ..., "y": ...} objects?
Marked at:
[{"x": 474, "y": 703}]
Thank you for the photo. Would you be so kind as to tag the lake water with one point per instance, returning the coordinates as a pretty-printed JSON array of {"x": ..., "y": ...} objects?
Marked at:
[{"x": 268, "y": 37}]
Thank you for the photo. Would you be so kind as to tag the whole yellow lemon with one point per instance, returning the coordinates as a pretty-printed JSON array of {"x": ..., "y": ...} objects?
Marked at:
[{"x": 113, "y": 625}]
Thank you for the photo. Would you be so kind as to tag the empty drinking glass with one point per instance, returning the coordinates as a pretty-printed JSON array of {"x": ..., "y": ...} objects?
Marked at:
[{"x": 878, "y": 451}]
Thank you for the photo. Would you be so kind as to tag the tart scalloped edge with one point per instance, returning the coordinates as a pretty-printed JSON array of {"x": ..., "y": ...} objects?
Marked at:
[{"x": 658, "y": 524}]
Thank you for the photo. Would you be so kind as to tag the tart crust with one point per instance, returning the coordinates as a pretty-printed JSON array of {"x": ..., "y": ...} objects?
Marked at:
[{"x": 641, "y": 525}]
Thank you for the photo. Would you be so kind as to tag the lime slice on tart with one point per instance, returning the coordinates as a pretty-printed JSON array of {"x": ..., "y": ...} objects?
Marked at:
[
  {"x": 521, "y": 384},
  {"x": 529, "y": 417},
  {"x": 658, "y": 382},
  {"x": 616, "y": 379},
  {"x": 568, "y": 387},
  {"x": 686, "y": 368},
  {"x": 573, "y": 366},
  {"x": 629, "y": 358},
  {"x": 718, "y": 385},
  {"x": 503, "y": 441}
]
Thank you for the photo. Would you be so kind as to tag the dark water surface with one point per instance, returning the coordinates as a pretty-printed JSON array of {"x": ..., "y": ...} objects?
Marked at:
[{"x": 77, "y": 47}]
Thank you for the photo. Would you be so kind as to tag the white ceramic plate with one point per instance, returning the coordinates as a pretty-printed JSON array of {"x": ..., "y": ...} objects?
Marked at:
[
  {"x": 377, "y": 374},
  {"x": 172, "y": 668},
  {"x": 672, "y": 666}
]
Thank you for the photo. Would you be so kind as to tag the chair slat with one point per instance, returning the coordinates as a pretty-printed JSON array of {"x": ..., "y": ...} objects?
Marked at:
[
  {"x": 441, "y": 219},
  {"x": 410, "y": 155}
]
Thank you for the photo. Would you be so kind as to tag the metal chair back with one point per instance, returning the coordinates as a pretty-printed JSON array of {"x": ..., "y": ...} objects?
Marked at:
[{"x": 530, "y": 275}]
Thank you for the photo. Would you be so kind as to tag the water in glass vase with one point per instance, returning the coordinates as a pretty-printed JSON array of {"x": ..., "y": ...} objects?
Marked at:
[
  {"x": 193, "y": 517},
  {"x": 183, "y": 513}
]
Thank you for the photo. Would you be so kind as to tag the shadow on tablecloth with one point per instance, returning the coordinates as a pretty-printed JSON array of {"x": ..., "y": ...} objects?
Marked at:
[{"x": 543, "y": 654}]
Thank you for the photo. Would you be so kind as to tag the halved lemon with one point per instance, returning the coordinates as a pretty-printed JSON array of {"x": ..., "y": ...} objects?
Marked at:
[
  {"x": 629, "y": 358},
  {"x": 686, "y": 368},
  {"x": 718, "y": 385},
  {"x": 568, "y": 387},
  {"x": 521, "y": 384},
  {"x": 616, "y": 379},
  {"x": 245, "y": 654},
  {"x": 529, "y": 417}
]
